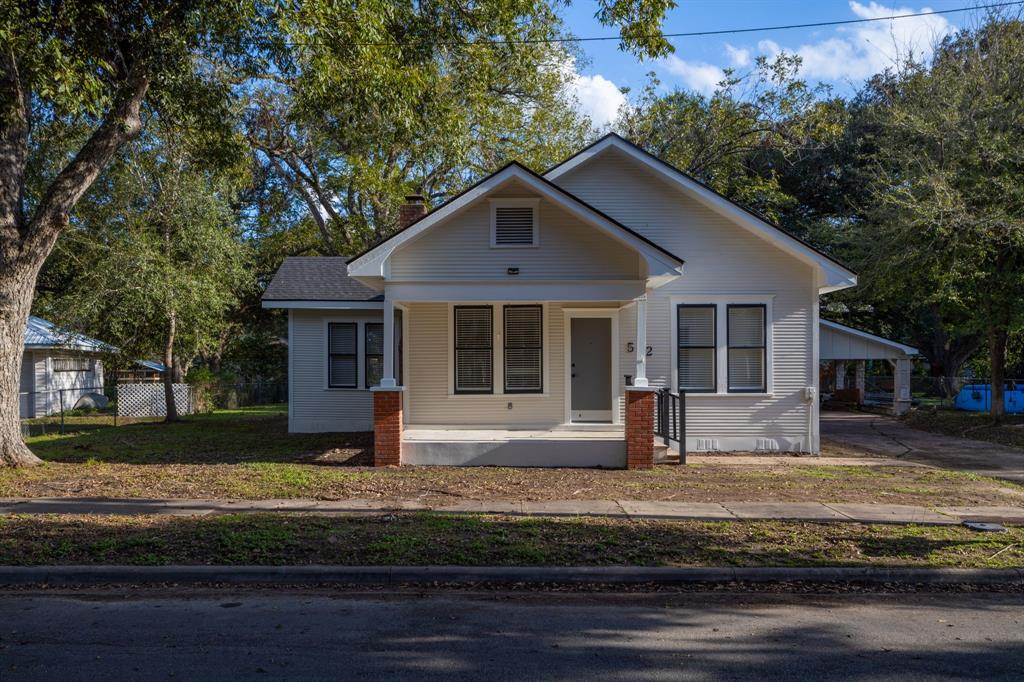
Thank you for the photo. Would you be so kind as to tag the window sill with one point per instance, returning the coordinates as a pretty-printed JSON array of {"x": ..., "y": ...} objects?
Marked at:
[
  {"x": 696, "y": 394},
  {"x": 340, "y": 389},
  {"x": 503, "y": 396}
]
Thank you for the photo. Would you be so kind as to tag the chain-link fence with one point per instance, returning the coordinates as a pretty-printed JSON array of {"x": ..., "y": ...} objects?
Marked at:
[{"x": 57, "y": 411}]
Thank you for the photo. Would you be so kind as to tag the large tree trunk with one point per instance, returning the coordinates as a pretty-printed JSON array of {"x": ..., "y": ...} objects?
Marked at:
[
  {"x": 997, "y": 358},
  {"x": 16, "y": 286},
  {"x": 25, "y": 241},
  {"x": 172, "y": 405}
]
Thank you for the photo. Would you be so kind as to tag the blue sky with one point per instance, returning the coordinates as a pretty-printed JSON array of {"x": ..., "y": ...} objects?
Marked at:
[{"x": 842, "y": 56}]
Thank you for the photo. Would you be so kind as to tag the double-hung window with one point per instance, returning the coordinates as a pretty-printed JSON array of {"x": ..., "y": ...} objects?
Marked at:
[
  {"x": 524, "y": 365},
  {"x": 373, "y": 349},
  {"x": 474, "y": 349},
  {"x": 747, "y": 348},
  {"x": 696, "y": 336},
  {"x": 342, "y": 351}
]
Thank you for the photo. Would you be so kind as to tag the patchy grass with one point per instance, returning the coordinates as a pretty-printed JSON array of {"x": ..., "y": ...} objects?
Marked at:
[
  {"x": 425, "y": 539},
  {"x": 248, "y": 454},
  {"x": 976, "y": 425}
]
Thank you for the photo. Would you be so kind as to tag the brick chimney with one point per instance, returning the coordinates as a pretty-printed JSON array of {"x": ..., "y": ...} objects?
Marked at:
[{"x": 412, "y": 210}]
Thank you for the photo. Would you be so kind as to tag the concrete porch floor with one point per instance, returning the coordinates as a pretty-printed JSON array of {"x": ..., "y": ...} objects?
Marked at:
[{"x": 474, "y": 434}]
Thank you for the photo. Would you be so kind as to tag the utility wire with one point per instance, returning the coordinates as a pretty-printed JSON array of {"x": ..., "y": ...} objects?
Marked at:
[{"x": 727, "y": 31}]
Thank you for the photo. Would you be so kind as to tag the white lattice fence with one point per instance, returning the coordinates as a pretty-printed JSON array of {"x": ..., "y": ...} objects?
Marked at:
[{"x": 147, "y": 400}]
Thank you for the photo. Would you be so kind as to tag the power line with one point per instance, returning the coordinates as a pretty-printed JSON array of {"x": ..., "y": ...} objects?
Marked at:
[{"x": 720, "y": 32}]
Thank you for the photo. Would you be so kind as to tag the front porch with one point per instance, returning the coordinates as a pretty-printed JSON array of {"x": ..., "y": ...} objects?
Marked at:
[{"x": 569, "y": 391}]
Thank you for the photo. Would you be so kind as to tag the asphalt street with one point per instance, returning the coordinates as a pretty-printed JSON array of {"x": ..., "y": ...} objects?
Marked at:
[{"x": 262, "y": 634}]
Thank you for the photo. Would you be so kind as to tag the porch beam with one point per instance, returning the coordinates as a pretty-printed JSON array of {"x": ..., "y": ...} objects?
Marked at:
[{"x": 640, "y": 378}]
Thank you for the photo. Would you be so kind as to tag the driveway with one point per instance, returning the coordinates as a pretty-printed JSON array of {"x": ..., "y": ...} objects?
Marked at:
[{"x": 887, "y": 436}]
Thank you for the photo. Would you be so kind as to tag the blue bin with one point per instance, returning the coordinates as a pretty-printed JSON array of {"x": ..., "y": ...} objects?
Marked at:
[{"x": 978, "y": 398}]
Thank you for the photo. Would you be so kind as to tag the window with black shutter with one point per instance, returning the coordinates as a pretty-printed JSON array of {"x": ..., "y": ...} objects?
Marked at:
[
  {"x": 342, "y": 349},
  {"x": 474, "y": 349},
  {"x": 696, "y": 348},
  {"x": 524, "y": 349},
  {"x": 747, "y": 362}
]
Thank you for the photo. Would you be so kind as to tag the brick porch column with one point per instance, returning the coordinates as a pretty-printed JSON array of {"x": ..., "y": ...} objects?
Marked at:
[
  {"x": 387, "y": 426},
  {"x": 641, "y": 404}
]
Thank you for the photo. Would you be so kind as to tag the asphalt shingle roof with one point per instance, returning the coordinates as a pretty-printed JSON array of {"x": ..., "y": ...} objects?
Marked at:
[{"x": 317, "y": 278}]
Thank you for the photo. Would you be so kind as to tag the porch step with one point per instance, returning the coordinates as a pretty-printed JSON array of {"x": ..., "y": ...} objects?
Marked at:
[
  {"x": 663, "y": 454},
  {"x": 510, "y": 447}
]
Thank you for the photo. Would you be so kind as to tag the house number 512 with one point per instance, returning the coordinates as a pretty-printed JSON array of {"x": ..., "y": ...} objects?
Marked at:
[{"x": 630, "y": 348}]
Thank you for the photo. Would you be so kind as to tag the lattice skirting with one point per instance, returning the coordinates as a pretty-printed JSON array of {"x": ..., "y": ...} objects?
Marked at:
[{"x": 147, "y": 400}]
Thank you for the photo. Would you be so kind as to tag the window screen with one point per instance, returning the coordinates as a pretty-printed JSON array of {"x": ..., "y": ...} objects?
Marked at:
[
  {"x": 373, "y": 349},
  {"x": 524, "y": 349},
  {"x": 72, "y": 365},
  {"x": 696, "y": 336},
  {"x": 474, "y": 349},
  {"x": 341, "y": 355},
  {"x": 747, "y": 348},
  {"x": 513, "y": 225}
]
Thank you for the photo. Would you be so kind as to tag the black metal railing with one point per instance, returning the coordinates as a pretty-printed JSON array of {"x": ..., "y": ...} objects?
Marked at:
[{"x": 670, "y": 424}]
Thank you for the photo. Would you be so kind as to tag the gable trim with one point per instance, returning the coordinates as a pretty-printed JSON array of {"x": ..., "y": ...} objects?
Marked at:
[
  {"x": 371, "y": 262},
  {"x": 838, "y": 276}
]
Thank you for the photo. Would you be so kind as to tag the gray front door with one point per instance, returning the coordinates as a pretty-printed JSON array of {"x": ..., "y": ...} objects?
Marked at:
[{"x": 591, "y": 369}]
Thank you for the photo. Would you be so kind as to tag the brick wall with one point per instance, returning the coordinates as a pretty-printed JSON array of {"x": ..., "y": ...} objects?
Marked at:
[
  {"x": 640, "y": 408},
  {"x": 387, "y": 428}
]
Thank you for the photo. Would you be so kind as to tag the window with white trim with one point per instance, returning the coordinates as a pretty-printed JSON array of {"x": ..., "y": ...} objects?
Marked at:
[
  {"x": 373, "y": 350},
  {"x": 524, "y": 349},
  {"x": 747, "y": 360},
  {"x": 342, "y": 355},
  {"x": 514, "y": 223},
  {"x": 474, "y": 349},
  {"x": 696, "y": 348}
]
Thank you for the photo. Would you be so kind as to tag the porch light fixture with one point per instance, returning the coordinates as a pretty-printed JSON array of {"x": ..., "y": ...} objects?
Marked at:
[{"x": 513, "y": 271}]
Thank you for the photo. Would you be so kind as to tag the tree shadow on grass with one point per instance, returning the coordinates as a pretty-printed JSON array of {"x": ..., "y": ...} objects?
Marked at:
[{"x": 205, "y": 439}]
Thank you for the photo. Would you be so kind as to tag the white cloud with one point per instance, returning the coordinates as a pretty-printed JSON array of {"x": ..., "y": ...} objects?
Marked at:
[
  {"x": 597, "y": 97},
  {"x": 738, "y": 56},
  {"x": 699, "y": 76},
  {"x": 863, "y": 50}
]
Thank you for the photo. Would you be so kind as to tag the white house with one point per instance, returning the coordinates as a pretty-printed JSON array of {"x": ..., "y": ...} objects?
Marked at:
[
  {"x": 532, "y": 320},
  {"x": 57, "y": 368}
]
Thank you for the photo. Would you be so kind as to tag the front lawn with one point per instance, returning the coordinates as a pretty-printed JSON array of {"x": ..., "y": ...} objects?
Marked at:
[
  {"x": 466, "y": 540},
  {"x": 248, "y": 454},
  {"x": 976, "y": 425}
]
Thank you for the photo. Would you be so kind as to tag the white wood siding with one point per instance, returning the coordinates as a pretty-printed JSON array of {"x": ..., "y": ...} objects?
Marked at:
[
  {"x": 721, "y": 259},
  {"x": 314, "y": 407},
  {"x": 460, "y": 249}
]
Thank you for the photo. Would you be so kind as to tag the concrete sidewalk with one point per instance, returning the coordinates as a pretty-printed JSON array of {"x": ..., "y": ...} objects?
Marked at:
[{"x": 627, "y": 509}]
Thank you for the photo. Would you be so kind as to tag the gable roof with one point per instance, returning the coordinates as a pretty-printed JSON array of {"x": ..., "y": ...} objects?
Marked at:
[
  {"x": 859, "y": 333},
  {"x": 40, "y": 333},
  {"x": 316, "y": 278},
  {"x": 837, "y": 275},
  {"x": 369, "y": 263}
]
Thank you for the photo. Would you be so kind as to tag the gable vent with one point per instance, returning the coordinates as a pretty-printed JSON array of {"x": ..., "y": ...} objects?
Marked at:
[{"x": 515, "y": 225}]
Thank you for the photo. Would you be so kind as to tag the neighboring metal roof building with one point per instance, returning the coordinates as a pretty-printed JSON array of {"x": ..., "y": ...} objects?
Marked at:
[
  {"x": 317, "y": 278},
  {"x": 150, "y": 365},
  {"x": 839, "y": 342},
  {"x": 40, "y": 333}
]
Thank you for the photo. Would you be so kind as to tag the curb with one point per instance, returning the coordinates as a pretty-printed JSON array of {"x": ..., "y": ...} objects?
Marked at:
[{"x": 392, "y": 576}]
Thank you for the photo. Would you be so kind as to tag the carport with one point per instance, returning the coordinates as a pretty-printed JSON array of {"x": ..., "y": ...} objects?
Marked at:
[{"x": 842, "y": 346}]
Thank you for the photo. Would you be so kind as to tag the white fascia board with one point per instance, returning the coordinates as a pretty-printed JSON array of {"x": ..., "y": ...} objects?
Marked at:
[
  {"x": 836, "y": 276},
  {"x": 843, "y": 329},
  {"x": 524, "y": 290},
  {"x": 325, "y": 305},
  {"x": 374, "y": 263}
]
